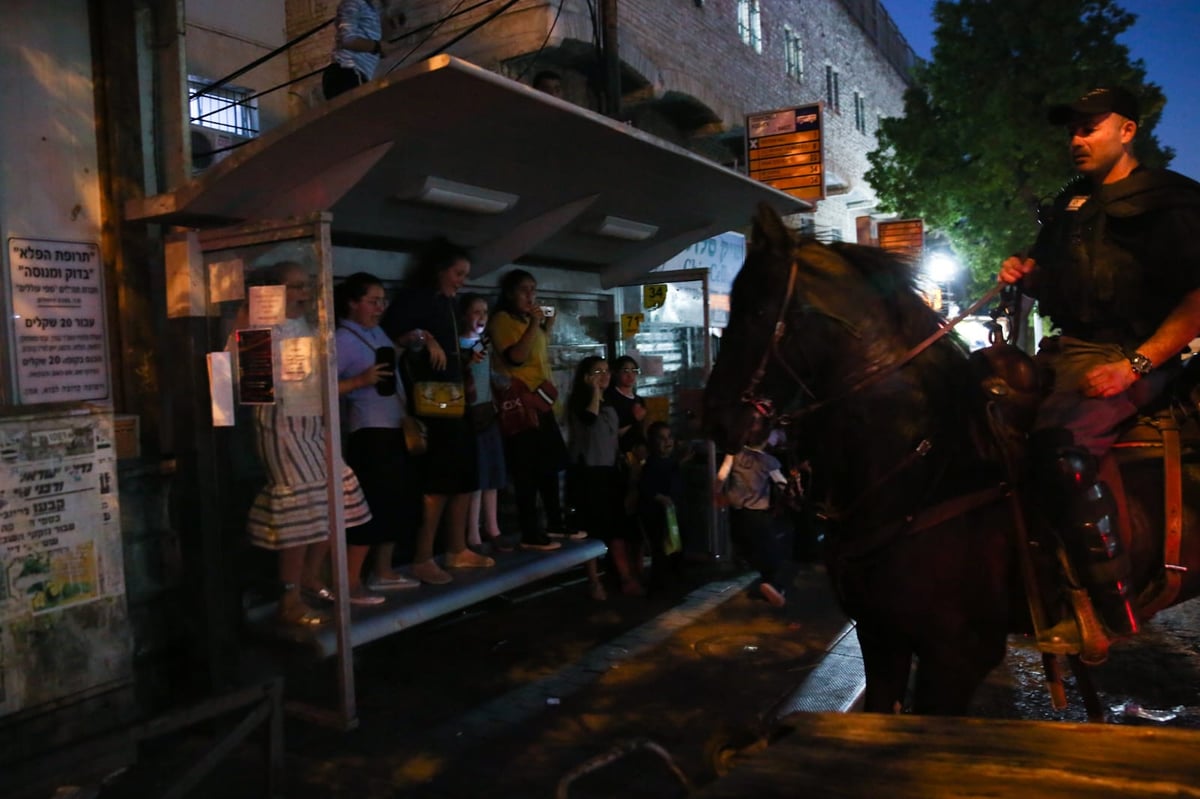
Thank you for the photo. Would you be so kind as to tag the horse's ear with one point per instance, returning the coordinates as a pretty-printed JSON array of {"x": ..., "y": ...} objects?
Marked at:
[{"x": 769, "y": 234}]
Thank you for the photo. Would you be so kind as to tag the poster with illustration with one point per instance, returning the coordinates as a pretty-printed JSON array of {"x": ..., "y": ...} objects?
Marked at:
[{"x": 60, "y": 555}]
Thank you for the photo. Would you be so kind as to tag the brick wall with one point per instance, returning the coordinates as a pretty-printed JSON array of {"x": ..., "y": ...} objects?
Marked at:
[
  {"x": 674, "y": 48},
  {"x": 698, "y": 51},
  {"x": 310, "y": 54}
]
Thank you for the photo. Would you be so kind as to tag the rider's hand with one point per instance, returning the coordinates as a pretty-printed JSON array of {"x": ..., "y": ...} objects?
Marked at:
[
  {"x": 1108, "y": 380},
  {"x": 1015, "y": 267}
]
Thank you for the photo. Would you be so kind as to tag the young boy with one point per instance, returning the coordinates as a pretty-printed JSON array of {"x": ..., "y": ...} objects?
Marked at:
[{"x": 751, "y": 474}]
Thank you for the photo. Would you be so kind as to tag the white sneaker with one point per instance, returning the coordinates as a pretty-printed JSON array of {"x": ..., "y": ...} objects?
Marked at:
[{"x": 397, "y": 583}]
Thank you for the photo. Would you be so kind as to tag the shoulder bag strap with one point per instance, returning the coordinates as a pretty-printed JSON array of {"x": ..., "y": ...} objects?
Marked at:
[{"x": 360, "y": 337}]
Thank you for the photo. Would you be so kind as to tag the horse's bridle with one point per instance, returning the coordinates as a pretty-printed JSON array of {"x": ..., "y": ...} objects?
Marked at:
[
  {"x": 874, "y": 375},
  {"x": 749, "y": 397}
]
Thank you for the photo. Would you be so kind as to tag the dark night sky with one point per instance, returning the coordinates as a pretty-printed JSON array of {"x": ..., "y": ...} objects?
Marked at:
[{"x": 1166, "y": 37}]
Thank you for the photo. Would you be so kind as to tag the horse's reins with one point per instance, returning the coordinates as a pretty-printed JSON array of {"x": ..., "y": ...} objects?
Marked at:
[
  {"x": 870, "y": 379},
  {"x": 929, "y": 341},
  {"x": 763, "y": 407}
]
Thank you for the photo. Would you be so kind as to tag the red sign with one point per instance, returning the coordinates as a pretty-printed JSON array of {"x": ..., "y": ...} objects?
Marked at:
[{"x": 903, "y": 236}]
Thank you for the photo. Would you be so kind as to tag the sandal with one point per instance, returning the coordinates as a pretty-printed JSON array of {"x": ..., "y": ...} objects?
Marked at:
[
  {"x": 306, "y": 618},
  {"x": 318, "y": 596}
]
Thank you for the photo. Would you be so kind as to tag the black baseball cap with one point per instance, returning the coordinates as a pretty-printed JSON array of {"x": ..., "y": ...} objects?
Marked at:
[{"x": 1101, "y": 100}]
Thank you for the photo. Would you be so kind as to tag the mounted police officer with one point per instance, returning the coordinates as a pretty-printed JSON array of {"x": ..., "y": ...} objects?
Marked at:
[{"x": 1116, "y": 267}]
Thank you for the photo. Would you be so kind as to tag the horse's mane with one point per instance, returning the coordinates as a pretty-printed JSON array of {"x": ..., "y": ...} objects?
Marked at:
[{"x": 893, "y": 278}]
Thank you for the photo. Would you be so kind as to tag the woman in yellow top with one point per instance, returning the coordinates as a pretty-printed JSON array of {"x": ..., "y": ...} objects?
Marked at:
[{"x": 520, "y": 334}]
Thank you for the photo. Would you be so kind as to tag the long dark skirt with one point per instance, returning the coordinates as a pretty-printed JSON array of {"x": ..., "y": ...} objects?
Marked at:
[{"x": 393, "y": 491}]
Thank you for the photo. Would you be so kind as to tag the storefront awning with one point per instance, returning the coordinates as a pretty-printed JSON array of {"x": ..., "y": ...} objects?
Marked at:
[{"x": 448, "y": 148}]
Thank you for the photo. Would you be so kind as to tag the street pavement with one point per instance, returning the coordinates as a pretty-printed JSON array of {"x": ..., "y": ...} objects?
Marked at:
[
  {"x": 509, "y": 698},
  {"x": 546, "y": 689}
]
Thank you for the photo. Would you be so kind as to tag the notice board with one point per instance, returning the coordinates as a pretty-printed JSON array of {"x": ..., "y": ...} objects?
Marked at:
[
  {"x": 64, "y": 625},
  {"x": 58, "y": 325},
  {"x": 784, "y": 150}
]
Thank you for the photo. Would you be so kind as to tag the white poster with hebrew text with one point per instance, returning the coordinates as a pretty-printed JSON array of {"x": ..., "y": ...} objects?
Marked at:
[{"x": 58, "y": 320}]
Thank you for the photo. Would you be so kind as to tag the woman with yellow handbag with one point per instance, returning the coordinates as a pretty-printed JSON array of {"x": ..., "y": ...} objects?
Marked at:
[{"x": 438, "y": 395}]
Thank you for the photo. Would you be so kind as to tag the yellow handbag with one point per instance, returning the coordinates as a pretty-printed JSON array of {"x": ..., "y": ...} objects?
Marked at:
[
  {"x": 416, "y": 437},
  {"x": 439, "y": 398},
  {"x": 446, "y": 399}
]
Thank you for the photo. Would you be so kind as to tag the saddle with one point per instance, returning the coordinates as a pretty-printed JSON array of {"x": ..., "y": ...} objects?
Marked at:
[
  {"x": 1171, "y": 434},
  {"x": 1168, "y": 431}
]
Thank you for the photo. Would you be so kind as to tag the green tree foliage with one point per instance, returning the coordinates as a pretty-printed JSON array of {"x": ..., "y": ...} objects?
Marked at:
[{"x": 974, "y": 155}]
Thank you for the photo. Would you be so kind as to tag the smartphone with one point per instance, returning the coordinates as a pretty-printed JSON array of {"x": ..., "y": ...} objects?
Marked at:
[
  {"x": 547, "y": 311},
  {"x": 386, "y": 356},
  {"x": 481, "y": 346}
]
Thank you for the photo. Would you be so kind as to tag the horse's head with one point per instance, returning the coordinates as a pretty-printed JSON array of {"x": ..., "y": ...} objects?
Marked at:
[
  {"x": 733, "y": 395},
  {"x": 808, "y": 322}
]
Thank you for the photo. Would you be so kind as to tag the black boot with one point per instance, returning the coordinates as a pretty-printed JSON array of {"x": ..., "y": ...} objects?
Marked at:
[{"x": 1081, "y": 509}]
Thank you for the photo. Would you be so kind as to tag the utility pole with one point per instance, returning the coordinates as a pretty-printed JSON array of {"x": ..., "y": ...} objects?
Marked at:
[{"x": 612, "y": 59}]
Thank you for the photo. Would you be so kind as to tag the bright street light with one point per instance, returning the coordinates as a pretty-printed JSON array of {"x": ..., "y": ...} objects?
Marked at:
[{"x": 940, "y": 267}]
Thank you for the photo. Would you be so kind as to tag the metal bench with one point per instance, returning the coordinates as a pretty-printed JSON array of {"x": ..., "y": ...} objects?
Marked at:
[{"x": 405, "y": 609}]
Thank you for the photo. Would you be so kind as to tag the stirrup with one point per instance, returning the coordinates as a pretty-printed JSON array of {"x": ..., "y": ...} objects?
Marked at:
[
  {"x": 1063, "y": 638},
  {"x": 1081, "y": 633}
]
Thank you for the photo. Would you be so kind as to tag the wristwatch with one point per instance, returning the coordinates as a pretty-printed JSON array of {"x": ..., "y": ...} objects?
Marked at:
[{"x": 1141, "y": 364}]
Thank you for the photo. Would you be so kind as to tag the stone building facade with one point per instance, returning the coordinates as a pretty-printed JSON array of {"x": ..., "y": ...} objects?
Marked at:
[{"x": 690, "y": 71}]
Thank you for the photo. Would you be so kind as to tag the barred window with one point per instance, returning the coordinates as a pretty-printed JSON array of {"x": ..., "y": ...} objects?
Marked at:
[
  {"x": 793, "y": 54},
  {"x": 225, "y": 109},
  {"x": 860, "y": 113},
  {"x": 750, "y": 23},
  {"x": 832, "y": 92}
]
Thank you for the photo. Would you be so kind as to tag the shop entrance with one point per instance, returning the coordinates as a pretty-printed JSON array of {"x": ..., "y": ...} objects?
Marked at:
[{"x": 665, "y": 326}]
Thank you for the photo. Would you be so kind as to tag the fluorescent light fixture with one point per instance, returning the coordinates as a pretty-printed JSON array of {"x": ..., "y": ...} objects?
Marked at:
[
  {"x": 618, "y": 228},
  {"x": 461, "y": 196}
]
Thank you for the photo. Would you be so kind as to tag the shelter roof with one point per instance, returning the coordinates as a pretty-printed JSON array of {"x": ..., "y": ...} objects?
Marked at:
[{"x": 550, "y": 182}]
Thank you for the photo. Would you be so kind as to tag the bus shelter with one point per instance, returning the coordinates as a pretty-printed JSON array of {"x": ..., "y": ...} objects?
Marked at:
[{"x": 443, "y": 148}]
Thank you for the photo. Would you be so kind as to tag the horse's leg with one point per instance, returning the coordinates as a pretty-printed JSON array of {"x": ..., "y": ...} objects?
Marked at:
[
  {"x": 1087, "y": 688},
  {"x": 948, "y": 674},
  {"x": 1054, "y": 683},
  {"x": 886, "y": 663}
]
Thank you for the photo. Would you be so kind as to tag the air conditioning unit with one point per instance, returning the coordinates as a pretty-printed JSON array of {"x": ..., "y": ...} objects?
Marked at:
[{"x": 209, "y": 146}]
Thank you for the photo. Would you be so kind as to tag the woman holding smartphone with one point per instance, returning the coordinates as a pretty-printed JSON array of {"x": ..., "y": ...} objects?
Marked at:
[
  {"x": 374, "y": 403},
  {"x": 520, "y": 331}
]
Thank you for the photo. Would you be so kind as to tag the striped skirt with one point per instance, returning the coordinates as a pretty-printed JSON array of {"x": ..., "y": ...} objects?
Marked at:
[{"x": 292, "y": 509}]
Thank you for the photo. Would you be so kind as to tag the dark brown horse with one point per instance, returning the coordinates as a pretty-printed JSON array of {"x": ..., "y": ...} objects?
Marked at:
[{"x": 920, "y": 544}]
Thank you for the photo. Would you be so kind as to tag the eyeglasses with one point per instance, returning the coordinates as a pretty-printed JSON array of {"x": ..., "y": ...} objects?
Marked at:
[
  {"x": 378, "y": 302},
  {"x": 600, "y": 371},
  {"x": 630, "y": 370}
]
